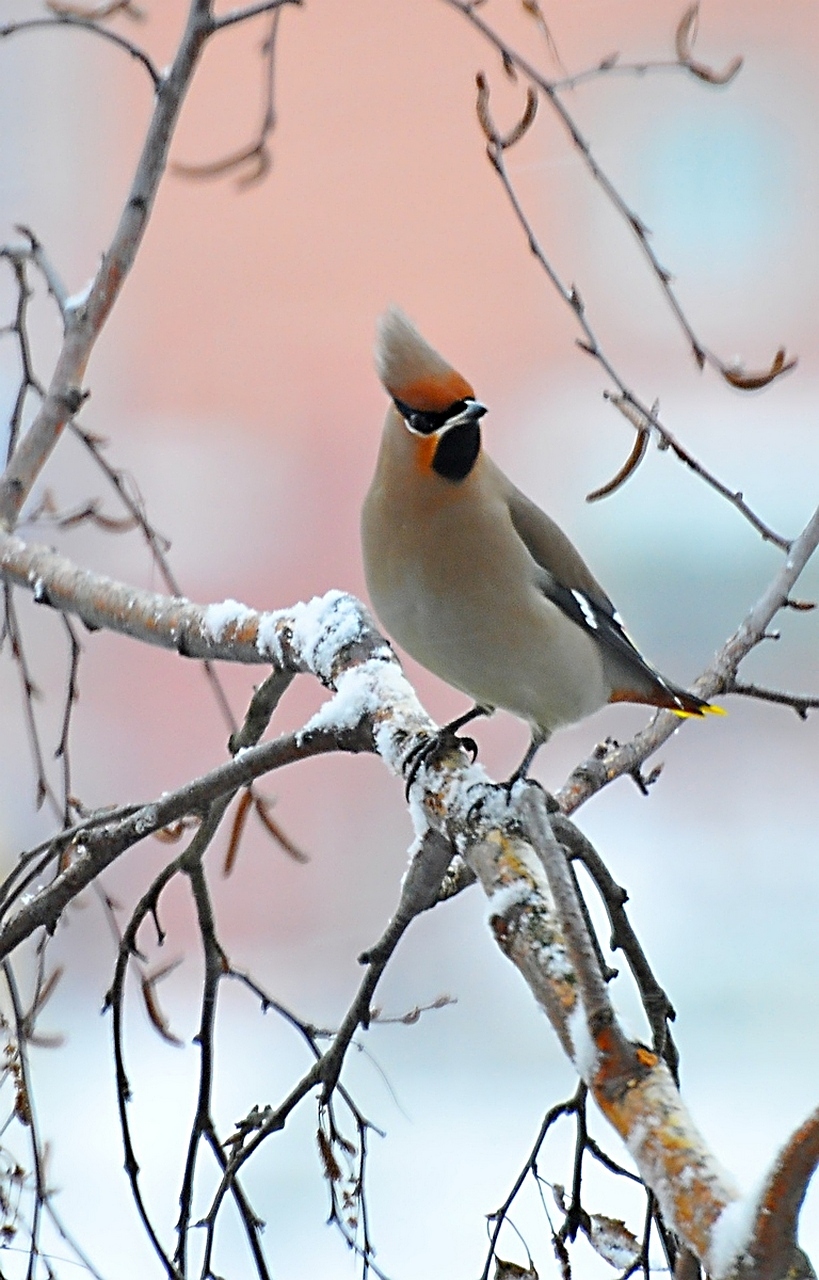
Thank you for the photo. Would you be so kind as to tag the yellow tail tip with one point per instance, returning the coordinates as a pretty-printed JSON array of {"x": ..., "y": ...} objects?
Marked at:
[{"x": 707, "y": 709}]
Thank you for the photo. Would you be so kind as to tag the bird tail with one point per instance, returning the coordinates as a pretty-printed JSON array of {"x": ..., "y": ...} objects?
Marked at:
[
  {"x": 670, "y": 698},
  {"x": 693, "y": 706}
]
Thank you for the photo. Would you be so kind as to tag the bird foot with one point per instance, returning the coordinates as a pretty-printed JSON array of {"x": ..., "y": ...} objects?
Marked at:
[
  {"x": 508, "y": 788},
  {"x": 434, "y": 748},
  {"x": 521, "y": 776}
]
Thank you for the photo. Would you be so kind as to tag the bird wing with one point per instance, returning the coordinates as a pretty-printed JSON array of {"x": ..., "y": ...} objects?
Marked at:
[
  {"x": 552, "y": 551},
  {"x": 564, "y": 578}
]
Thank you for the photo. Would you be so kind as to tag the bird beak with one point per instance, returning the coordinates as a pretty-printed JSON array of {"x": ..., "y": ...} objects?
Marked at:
[{"x": 471, "y": 412}]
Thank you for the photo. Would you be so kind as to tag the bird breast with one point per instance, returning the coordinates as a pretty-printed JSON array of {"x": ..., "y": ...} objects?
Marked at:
[{"x": 455, "y": 586}]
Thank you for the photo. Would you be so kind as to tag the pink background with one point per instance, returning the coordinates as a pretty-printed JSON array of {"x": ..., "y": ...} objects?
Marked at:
[{"x": 235, "y": 383}]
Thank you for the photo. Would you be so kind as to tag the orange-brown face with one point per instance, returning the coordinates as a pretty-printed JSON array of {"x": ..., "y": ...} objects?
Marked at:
[
  {"x": 424, "y": 450},
  {"x": 446, "y": 441}
]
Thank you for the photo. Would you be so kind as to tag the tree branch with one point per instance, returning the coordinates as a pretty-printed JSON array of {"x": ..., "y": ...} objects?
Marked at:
[
  {"x": 87, "y": 24},
  {"x": 85, "y": 320},
  {"x": 603, "y": 767},
  {"x": 645, "y": 420}
]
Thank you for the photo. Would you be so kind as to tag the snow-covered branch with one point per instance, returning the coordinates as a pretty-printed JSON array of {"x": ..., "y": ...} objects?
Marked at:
[{"x": 534, "y": 912}]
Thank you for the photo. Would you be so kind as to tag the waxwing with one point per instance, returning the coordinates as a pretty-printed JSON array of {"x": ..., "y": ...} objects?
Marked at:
[{"x": 471, "y": 578}]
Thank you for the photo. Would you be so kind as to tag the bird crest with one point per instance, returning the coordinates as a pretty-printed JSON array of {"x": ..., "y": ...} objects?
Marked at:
[{"x": 411, "y": 370}]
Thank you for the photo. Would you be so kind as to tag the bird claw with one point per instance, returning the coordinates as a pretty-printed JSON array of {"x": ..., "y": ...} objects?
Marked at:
[
  {"x": 508, "y": 787},
  {"x": 521, "y": 776},
  {"x": 432, "y": 748}
]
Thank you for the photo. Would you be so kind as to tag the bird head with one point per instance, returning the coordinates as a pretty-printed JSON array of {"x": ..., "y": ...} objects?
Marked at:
[{"x": 433, "y": 399}]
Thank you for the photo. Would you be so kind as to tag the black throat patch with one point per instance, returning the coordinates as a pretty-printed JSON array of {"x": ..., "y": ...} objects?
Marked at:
[{"x": 457, "y": 450}]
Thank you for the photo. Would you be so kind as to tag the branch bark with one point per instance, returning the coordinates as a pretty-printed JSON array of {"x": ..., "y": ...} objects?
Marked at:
[{"x": 84, "y": 321}]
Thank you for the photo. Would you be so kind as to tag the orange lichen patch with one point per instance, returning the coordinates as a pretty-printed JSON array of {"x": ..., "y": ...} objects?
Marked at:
[
  {"x": 619, "y": 1064},
  {"x": 435, "y": 393},
  {"x": 246, "y": 632},
  {"x": 510, "y": 866},
  {"x": 669, "y": 1152},
  {"x": 777, "y": 1216}
]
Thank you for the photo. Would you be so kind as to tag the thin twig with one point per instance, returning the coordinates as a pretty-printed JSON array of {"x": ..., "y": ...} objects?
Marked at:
[
  {"x": 643, "y": 417},
  {"x": 87, "y": 24},
  {"x": 71, "y": 695},
  {"x": 29, "y": 692},
  {"x": 250, "y": 11},
  {"x": 28, "y": 378},
  {"x": 658, "y": 1008},
  {"x": 253, "y": 161},
  {"x": 85, "y": 321},
  {"x": 157, "y": 545},
  {"x": 45, "y": 266},
  {"x": 419, "y": 893},
  {"x": 202, "y": 1125},
  {"x": 115, "y": 1001},
  {"x": 548, "y": 88},
  {"x": 28, "y": 1114},
  {"x": 500, "y": 1215},
  {"x": 599, "y": 769},
  {"x": 801, "y": 703}
]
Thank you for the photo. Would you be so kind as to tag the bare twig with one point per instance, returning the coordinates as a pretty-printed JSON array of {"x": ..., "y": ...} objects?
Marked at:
[
  {"x": 115, "y": 1001},
  {"x": 253, "y": 161},
  {"x": 658, "y": 1007},
  {"x": 499, "y": 1217},
  {"x": 158, "y": 545},
  {"x": 28, "y": 380},
  {"x": 71, "y": 695},
  {"x": 30, "y": 691},
  {"x": 644, "y": 419},
  {"x": 26, "y": 1111},
  {"x": 801, "y": 703},
  {"x": 548, "y": 88},
  {"x": 45, "y": 266},
  {"x": 419, "y": 893},
  {"x": 600, "y": 769},
  {"x": 249, "y": 11},
  {"x": 203, "y": 1126},
  {"x": 85, "y": 321},
  {"x": 78, "y": 23}
]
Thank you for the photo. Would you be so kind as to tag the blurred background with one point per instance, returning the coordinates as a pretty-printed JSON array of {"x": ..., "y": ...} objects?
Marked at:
[{"x": 234, "y": 383}]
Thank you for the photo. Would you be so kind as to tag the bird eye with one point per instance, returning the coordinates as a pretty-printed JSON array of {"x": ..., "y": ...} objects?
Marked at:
[{"x": 427, "y": 422}]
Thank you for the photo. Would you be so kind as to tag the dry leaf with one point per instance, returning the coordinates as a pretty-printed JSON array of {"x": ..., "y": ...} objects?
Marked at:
[
  {"x": 613, "y": 1241},
  {"x": 487, "y": 124},
  {"x": 332, "y": 1169},
  {"x": 686, "y": 33},
  {"x": 242, "y": 810},
  {"x": 263, "y": 808},
  {"x": 630, "y": 465},
  {"x": 511, "y": 1271},
  {"x": 684, "y": 38},
  {"x": 737, "y": 376},
  {"x": 148, "y": 986},
  {"x": 524, "y": 124}
]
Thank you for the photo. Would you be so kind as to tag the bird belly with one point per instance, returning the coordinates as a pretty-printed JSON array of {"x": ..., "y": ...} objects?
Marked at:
[
  {"x": 521, "y": 654},
  {"x": 455, "y": 586}
]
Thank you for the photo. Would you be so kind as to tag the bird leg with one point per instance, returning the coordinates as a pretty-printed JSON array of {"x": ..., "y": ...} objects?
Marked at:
[
  {"x": 444, "y": 740},
  {"x": 539, "y": 736}
]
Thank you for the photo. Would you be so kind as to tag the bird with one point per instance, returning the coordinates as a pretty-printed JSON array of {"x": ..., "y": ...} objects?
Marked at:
[{"x": 473, "y": 580}]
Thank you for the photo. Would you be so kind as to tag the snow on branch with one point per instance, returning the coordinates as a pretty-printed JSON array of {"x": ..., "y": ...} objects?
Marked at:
[{"x": 511, "y": 846}]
